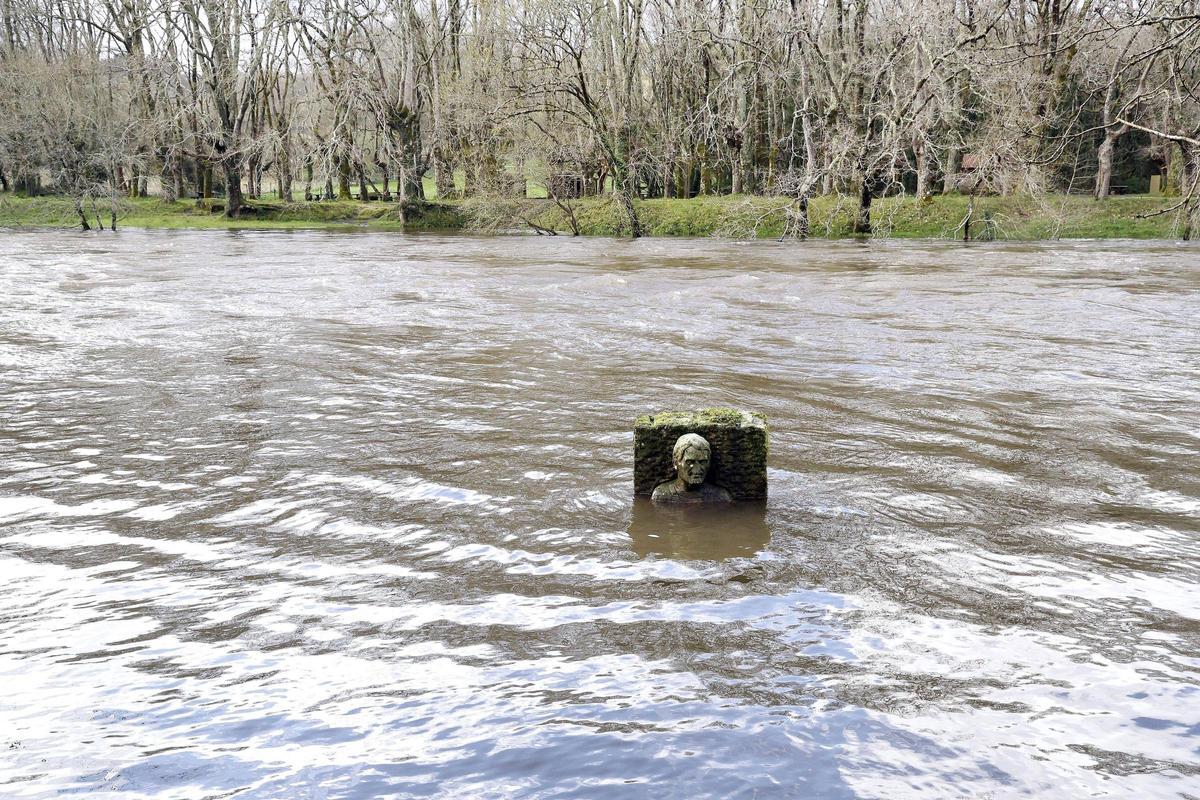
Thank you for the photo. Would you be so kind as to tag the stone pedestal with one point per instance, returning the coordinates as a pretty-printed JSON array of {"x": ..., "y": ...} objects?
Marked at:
[{"x": 739, "y": 449}]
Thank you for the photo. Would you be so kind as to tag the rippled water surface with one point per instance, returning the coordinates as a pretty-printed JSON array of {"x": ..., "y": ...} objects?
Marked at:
[{"x": 313, "y": 515}]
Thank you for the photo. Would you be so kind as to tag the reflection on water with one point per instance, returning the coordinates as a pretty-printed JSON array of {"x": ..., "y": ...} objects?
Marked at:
[
  {"x": 698, "y": 532},
  {"x": 350, "y": 516}
]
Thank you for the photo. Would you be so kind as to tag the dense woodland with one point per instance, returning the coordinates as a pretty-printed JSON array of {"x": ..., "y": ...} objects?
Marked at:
[{"x": 101, "y": 99}]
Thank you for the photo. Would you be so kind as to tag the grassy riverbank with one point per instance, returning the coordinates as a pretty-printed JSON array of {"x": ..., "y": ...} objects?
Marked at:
[
  {"x": 1025, "y": 218},
  {"x": 152, "y": 212}
]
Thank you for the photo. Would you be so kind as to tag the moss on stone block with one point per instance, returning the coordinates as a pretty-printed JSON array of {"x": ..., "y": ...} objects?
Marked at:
[{"x": 739, "y": 449}]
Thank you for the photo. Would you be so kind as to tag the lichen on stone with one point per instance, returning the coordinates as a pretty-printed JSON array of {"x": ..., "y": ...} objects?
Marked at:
[{"x": 704, "y": 417}]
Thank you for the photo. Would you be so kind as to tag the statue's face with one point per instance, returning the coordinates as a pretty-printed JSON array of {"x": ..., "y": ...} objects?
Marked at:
[{"x": 692, "y": 466}]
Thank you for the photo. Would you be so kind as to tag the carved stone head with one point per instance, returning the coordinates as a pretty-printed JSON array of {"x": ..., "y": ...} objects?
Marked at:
[{"x": 692, "y": 455}]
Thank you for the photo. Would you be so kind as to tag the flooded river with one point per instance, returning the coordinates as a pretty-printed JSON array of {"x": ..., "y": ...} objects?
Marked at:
[{"x": 320, "y": 515}]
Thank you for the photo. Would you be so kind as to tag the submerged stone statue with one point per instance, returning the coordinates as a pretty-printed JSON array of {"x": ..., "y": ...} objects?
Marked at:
[
  {"x": 691, "y": 456},
  {"x": 737, "y": 444}
]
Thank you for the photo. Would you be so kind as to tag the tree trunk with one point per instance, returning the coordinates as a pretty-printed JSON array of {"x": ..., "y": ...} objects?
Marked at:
[
  {"x": 1104, "y": 164},
  {"x": 922, "y": 157},
  {"x": 170, "y": 182},
  {"x": 284, "y": 172},
  {"x": 827, "y": 173},
  {"x": 635, "y": 225},
  {"x": 1191, "y": 185},
  {"x": 83, "y": 220},
  {"x": 810, "y": 151},
  {"x": 862, "y": 219},
  {"x": 443, "y": 178},
  {"x": 624, "y": 184},
  {"x": 401, "y": 193},
  {"x": 344, "y": 178},
  {"x": 736, "y": 185},
  {"x": 285, "y": 179},
  {"x": 233, "y": 189},
  {"x": 416, "y": 185},
  {"x": 742, "y": 158},
  {"x": 802, "y": 228},
  {"x": 950, "y": 171}
]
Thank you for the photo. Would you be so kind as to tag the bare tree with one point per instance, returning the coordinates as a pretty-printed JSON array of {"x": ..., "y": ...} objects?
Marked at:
[{"x": 858, "y": 99}]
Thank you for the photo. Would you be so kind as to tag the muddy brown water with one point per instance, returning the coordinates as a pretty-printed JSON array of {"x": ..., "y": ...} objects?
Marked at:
[{"x": 329, "y": 515}]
